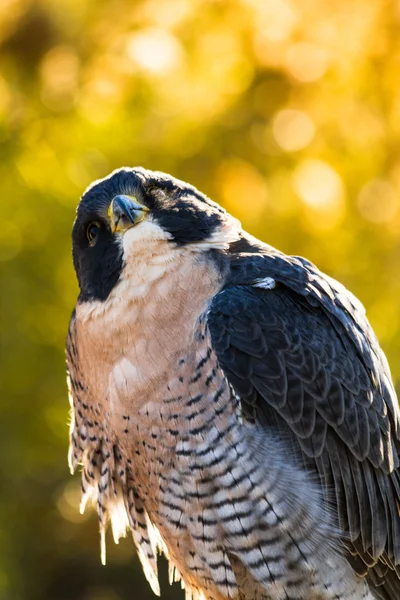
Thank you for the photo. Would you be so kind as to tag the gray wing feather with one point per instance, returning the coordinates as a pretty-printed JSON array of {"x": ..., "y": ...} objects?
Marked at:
[{"x": 303, "y": 357}]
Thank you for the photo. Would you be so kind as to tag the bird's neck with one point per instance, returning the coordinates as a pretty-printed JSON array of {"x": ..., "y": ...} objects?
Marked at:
[{"x": 129, "y": 345}]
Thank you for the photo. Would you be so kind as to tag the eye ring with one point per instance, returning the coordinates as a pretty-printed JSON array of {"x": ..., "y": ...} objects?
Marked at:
[{"x": 92, "y": 231}]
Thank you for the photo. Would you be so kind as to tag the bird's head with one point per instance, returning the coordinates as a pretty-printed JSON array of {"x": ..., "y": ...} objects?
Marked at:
[{"x": 135, "y": 214}]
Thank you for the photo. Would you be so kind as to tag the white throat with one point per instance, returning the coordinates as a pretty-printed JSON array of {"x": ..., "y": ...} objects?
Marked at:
[{"x": 153, "y": 268}]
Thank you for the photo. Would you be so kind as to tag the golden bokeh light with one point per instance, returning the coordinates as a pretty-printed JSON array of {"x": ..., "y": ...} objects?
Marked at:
[
  {"x": 275, "y": 20},
  {"x": 321, "y": 189},
  {"x": 306, "y": 62},
  {"x": 239, "y": 180},
  {"x": 293, "y": 129},
  {"x": 154, "y": 50},
  {"x": 318, "y": 185},
  {"x": 59, "y": 74},
  {"x": 378, "y": 201}
]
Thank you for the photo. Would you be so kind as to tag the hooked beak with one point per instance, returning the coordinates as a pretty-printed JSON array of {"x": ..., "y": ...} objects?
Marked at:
[{"x": 125, "y": 212}]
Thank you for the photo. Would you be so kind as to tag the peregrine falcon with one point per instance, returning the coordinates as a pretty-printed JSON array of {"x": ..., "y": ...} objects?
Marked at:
[{"x": 231, "y": 406}]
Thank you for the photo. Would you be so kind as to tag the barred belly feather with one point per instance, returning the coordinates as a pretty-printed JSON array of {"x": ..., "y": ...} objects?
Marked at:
[{"x": 222, "y": 500}]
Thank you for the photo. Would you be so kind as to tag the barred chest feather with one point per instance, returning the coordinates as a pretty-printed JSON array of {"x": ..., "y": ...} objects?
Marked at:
[{"x": 165, "y": 453}]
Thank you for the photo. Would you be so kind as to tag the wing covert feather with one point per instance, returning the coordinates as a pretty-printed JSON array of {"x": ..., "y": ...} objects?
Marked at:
[{"x": 303, "y": 356}]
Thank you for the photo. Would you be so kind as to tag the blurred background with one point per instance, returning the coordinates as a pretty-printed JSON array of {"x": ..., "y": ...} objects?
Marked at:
[{"x": 285, "y": 111}]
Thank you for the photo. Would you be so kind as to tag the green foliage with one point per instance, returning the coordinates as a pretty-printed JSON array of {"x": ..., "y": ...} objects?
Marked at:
[{"x": 286, "y": 111}]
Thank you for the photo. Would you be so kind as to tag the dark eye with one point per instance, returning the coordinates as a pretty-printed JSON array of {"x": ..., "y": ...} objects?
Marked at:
[{"x": 92, "y": 232}]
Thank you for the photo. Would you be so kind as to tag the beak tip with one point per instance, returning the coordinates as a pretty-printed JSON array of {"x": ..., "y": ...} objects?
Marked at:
[{"x": 124, "y": 212}]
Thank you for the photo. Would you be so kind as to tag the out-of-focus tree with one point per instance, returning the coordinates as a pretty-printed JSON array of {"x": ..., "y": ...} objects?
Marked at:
[{"x": 286, "y": 111}]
